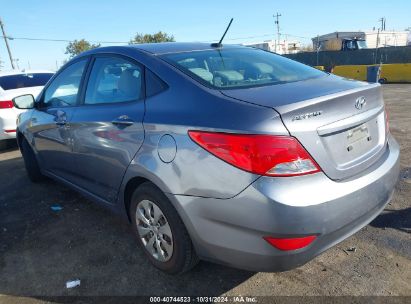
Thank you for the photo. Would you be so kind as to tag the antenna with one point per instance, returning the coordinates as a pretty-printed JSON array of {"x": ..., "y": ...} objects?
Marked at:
[{"x": 221, "y": 40}]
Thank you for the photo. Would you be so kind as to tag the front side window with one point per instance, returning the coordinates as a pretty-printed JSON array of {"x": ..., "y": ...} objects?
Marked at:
[
  {"x": 242, "y": 67},
  {"x": 12, "y": 82},
  {"x": 114, "y": 80},
  {"x": 63, "y": 90}
]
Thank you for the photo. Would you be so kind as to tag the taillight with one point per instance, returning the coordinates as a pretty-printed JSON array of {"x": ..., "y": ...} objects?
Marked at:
[
  {"x": 287, "y": 244},
  {"x": 6, "y": 104},
  {"x": 260, "y": 154}
]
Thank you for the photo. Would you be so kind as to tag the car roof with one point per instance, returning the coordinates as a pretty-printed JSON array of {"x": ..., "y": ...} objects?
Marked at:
[
  {"x": 23, "y": 72},
  {"x": 162, "y": 47},
  {"x": 177, "y": 47}
]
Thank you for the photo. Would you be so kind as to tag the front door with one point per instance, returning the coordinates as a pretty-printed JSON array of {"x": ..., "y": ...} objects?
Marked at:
[
  {"x": 50, "y": 124},
  {"x": 107, "y": 128}
]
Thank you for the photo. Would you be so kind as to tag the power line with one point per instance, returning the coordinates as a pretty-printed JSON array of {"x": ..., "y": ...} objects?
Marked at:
[
  {"x": 249, "y": 37},
  {"x": 126, "y": 42},
  {"x": 302, "y": 37},
  {"x": 259, "y": 36},
  {"x": 58, "y": 40}
]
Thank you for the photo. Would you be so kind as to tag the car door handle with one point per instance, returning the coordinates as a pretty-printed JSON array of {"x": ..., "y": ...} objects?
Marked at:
[{"x": 123, "y": 120}]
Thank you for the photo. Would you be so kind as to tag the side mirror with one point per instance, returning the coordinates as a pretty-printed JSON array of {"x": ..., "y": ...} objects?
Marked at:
[{"x": 24, "y": 102}]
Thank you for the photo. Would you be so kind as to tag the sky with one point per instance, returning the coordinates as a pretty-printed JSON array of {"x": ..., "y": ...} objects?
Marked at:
[{"x": 118, "y": 21}]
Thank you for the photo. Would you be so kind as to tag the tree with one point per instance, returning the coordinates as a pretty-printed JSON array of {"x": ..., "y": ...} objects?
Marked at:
[
  {"x": 78, "y": 46},
  {"x": 152, "y": 38}
]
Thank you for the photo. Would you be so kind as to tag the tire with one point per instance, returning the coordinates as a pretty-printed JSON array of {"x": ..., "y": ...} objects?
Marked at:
[
  {"x": 4, "y": 144},
  {"x": 382, "y": 80},
  {"x": 30, "y": 162},
  {"x": 177, "y": 254}
]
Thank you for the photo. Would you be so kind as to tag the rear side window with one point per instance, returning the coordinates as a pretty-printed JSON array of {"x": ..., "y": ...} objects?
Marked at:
[
  {"x": 240, "y": 67},
  {"x": 12, "y": 82},
  {"x": 154, "y": 85},
  {"x": 114, "y": 80}
]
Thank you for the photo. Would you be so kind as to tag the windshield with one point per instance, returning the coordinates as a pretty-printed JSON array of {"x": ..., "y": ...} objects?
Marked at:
[
  {"x": 18, "y": 81},
  {"x": 361, "y": 44},
  {"x": 242, "y": 67}
]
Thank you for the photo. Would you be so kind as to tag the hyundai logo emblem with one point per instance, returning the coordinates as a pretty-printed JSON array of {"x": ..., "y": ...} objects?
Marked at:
[{"x": 360, "y": 102}]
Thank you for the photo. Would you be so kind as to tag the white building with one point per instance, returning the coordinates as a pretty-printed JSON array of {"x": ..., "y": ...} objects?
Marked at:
[
  {"x": 283, "y": 47},
  {"x": 385, "y": 38}
]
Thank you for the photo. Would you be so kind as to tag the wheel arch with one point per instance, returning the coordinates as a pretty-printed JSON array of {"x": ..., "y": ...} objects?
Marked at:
[
  {"x": 133, "y": 180},
  {"x": 19, "y": 137},
  {"x": 129, "y": 189},
  {"x": 137, "y": 180}
]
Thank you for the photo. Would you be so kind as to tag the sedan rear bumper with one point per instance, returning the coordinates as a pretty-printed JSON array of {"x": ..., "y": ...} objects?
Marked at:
[
  {"x": 7, "y": 135},
  {"x": 8, "y": 123},
  {"x": 231, "y": 231}
]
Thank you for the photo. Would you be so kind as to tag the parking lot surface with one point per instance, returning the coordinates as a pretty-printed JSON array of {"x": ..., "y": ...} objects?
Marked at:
[{"x": 42, "y": 249}]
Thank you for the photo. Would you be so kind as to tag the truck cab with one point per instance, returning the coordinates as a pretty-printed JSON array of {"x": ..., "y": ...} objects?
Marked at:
[{"x": 353, "y": 44}]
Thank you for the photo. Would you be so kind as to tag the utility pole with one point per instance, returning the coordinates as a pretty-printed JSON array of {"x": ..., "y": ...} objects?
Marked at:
[
  {"x": 16, "y": 60},
  {"x": 318, "y": 49},
  {"x": 7, "y": 44},
  {"x": 277, "y": 22},
  {"x": 376, "y": 46},
  {"x": 382, "y": 20}
]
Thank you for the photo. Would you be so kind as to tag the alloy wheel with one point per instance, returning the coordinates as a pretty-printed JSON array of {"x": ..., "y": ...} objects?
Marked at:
[{"x": 154, "y": 230}]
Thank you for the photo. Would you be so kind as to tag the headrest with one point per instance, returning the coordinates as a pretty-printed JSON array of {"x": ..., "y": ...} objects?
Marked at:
[
  {"x": 130, "y": 83},
  {"x": 202, "y": 73}
]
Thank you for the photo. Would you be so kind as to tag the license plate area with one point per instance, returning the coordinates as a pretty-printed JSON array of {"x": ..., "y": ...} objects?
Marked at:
[
  {"x": 351, "y": 146},
  {"x": 358, "y": 136}
]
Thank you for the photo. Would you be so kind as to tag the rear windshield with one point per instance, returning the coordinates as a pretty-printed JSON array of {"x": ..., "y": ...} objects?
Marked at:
[
  {"x": 242, "y": 67},
  {"x": 12, "y": 82}
]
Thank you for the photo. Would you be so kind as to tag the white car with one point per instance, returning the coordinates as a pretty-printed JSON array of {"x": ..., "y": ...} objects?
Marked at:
[{"x": 12, "y": 84}]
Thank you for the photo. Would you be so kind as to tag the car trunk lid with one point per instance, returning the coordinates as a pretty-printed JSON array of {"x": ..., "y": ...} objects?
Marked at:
[{"x": 341, "y": 123}]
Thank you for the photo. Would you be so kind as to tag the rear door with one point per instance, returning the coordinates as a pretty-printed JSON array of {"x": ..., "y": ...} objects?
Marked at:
[
  {"x": 50, "y": 123},
  {"x": 107, "y": 128}
]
